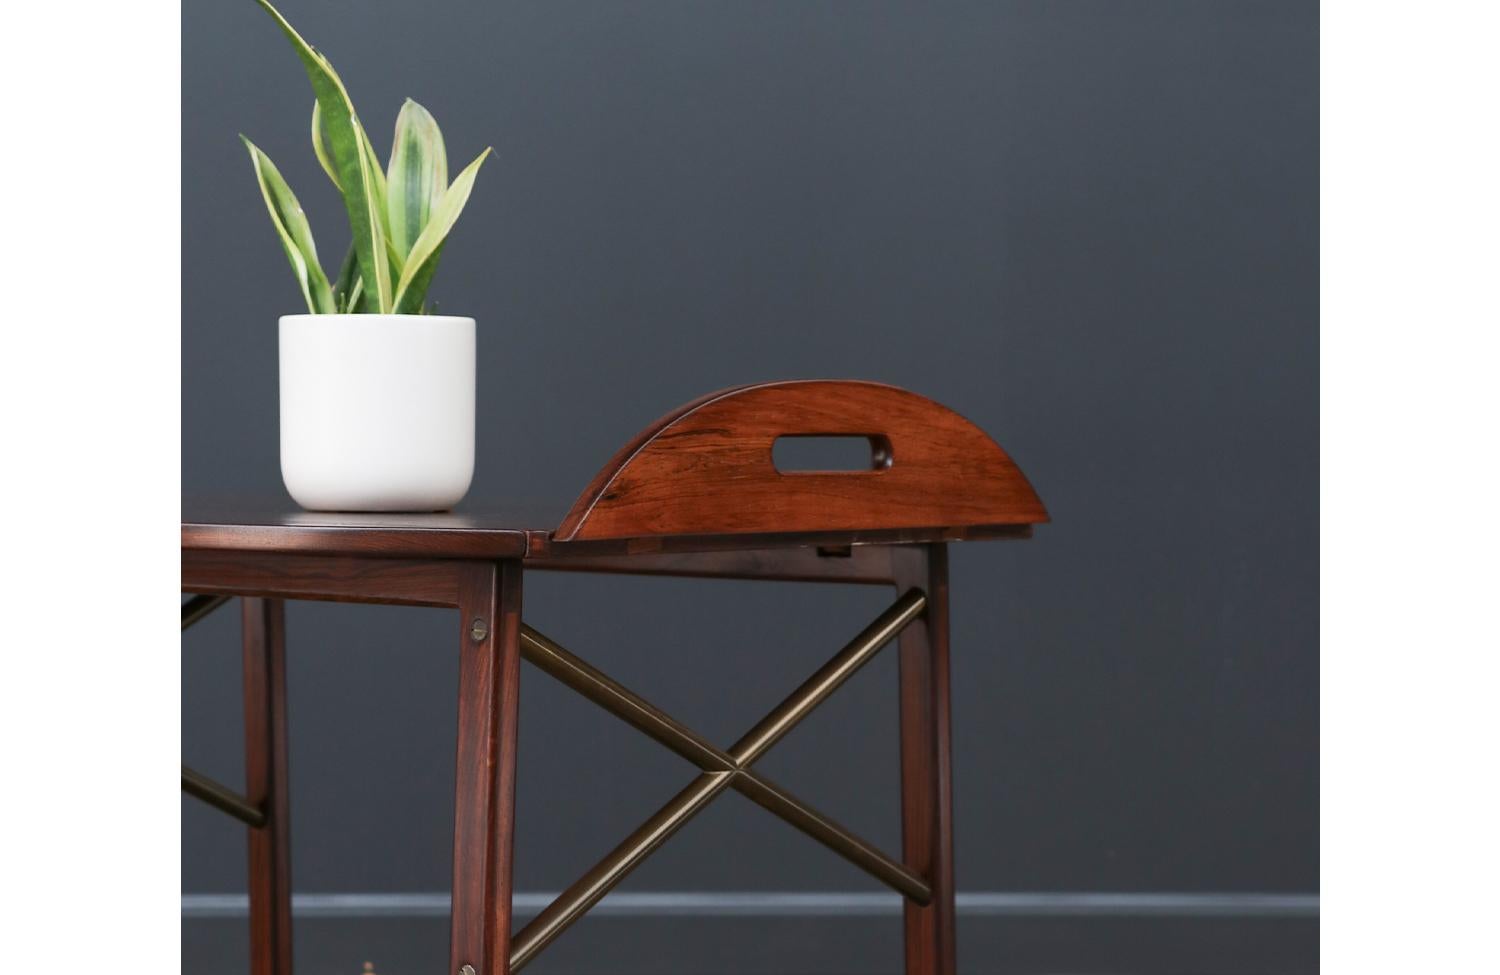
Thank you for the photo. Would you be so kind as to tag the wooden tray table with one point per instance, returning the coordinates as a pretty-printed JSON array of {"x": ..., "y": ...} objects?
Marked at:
[{"x": 695, "y": 494}]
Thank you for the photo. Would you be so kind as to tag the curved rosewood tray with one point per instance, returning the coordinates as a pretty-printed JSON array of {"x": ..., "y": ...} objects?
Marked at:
[{"x": 707, "y": 469}]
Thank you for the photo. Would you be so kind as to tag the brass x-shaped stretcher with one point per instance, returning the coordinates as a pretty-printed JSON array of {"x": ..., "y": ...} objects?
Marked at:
[{"x": 721, "y": 769}]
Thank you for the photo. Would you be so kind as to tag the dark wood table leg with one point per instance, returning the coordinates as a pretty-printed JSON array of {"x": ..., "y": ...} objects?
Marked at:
[
  {"x": 926, "y": 761},
  {"x": 270, "y": 881},
  {"x": 488, "y": 698}
]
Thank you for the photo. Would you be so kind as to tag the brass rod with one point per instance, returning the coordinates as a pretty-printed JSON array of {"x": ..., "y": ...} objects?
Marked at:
[
  {"x": 589, "y": 889},
  {"x": 620, "y": 701},
  {"x": 574, "y": 902},
  {"x": 766, "y": 794},
  {"x": 784, "y": 717},
  {"x": 200, "y": 606},
  {"x": 640, "y": 714},
  {"x": 222, "y": 798}
]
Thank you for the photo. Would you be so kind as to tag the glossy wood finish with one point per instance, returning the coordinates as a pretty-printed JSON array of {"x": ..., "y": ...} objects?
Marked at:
[
  {"x": 259, "y": 525},
  {"x": 707, "y": 469},
  {"x": 495, "y": 532},
  {"x": 270, "y": 876},
  {"x": 927, "y": 762},
  {"x": 279, "y": 528},
  {"x": 340, "y": 578},
  {"x": 489, "y": 610}
]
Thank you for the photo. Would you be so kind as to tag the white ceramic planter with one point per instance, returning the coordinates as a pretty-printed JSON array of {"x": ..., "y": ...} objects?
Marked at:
[{"x": 377, "y": 411}]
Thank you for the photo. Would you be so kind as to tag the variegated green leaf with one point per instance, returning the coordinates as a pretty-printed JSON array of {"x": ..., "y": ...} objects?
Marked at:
[
  {"x": 414, "y": 298},
  {"x": 320, "y": 146},
  {"x": 377, "y": 180},
  {"x": 422, "y": 260},
  {"x": 320, "y": 149},
  {"x": 294, "y": 232},
  {"x": 397, "y": 261},
  {"x": 417, "y": 176},
  {"x": 357, "y": 179},
  {"x": 356, "y": 296},
  {"x": 348, "y": 278}
]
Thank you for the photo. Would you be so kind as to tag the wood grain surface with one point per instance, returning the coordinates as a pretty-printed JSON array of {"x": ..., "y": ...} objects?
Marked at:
[{"x": 707, "y": 469}]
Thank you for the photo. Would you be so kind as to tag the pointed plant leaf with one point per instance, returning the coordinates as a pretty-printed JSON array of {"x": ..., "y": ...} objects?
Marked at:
[
  {"x": 343, "y": 288},
  {"x": 377, "y": 177},
  {"x": 397, "y": 261},
  {"x": 320, "y": 146},
  {"x": 422, "y": 260},
  {"x": 356, "y": 297},
  {"x": 348, "y": 147},
  {"x": 292, "y": 228},
  {"x": 320, "y": 149},
  {"x": 417, "y": 177},
  {"x": 413, "y": 299}
]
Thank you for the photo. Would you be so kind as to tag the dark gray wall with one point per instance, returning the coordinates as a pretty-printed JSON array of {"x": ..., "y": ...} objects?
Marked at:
[{"x": 1090, "y": 227}]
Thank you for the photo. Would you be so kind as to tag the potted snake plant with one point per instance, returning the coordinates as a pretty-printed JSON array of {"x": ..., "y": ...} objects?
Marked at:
[{"x": 377, "y": 394}]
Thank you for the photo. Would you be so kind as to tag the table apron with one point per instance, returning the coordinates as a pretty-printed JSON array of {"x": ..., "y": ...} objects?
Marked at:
[{"x": 337, "y": 578}]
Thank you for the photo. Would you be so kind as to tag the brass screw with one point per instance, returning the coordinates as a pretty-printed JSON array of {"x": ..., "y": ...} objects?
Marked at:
[{"x": 479, "y": 631}]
